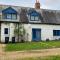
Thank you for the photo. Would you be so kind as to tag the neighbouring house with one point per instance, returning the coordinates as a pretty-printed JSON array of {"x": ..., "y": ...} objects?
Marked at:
[{"x": 39, "y": 24}]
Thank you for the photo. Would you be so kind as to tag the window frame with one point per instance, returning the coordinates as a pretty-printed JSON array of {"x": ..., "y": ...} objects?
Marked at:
[{"x": 56, "y": 32}]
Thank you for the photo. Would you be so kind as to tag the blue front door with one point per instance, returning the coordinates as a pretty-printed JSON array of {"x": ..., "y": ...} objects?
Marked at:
[{"x": 36, "y": 34}]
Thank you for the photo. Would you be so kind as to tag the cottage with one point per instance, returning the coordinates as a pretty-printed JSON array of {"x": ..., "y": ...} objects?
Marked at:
[{"x": 28, "y": 24}]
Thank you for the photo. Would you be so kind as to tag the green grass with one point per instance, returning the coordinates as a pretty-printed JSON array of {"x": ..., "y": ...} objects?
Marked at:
[
  {"x": 42, "y": 58},
  {"x": 32, "y": 46}
]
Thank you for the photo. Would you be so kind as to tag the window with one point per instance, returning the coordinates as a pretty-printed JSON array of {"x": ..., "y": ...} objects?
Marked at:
[
  {"x": 56, "y": 32},
  {"x": 9, "y": 13},
  {"x": 36, "y": 18},
  {"x": 10, "y": 16},
  {"x": 32, "y": 18},
  {"x": 6, "y": 31},
  {"x": 14, "y": 16},
  {"x": 33, "y": 15}
]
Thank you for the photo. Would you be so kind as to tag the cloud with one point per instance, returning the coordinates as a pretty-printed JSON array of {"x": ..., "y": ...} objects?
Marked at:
[
  {"x": 53, "y": 4},
  {"x": 45, "y": 4},
  {"x": 44, "y": 7},
  {"x": 26, "y": 3}
]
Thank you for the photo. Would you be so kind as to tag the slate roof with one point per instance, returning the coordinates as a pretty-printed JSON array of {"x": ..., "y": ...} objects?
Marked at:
[
  {"x": 51, "y": 16},
  {"x": 9, "y": 10},
  {"x": 45, "y": 16},
  {"x": 25, "y": 12}
]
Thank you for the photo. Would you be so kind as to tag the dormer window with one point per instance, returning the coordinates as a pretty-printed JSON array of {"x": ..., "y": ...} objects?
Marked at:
[
  {"x": 33, "y": 16},
  {"x": 9, "y": 13}
]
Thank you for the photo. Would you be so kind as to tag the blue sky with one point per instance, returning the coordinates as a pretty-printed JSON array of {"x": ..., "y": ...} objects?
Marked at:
[{"x": 46, "y": 4}]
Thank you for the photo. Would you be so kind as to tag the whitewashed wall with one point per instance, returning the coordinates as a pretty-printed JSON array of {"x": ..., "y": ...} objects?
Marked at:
[
  {"x": 46, "y": 31},
  {"x": 10, "y": 34}
]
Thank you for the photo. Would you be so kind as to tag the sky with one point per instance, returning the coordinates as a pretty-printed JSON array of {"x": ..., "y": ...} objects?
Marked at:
[{"x": 45, "y": 4}]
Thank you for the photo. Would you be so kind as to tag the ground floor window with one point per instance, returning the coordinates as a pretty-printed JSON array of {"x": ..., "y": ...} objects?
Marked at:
[
  {"x": 5, "y": 30},
  {"x": 56, "y": 32}
]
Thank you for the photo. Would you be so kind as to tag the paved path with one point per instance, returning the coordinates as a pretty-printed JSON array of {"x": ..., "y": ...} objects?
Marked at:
[{"x": 23, "y": 54}]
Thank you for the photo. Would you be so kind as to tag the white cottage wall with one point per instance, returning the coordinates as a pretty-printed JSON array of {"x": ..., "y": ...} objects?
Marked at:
[
  {"x": 46, "y": 31},
  {"x": 10, "y": 34}
]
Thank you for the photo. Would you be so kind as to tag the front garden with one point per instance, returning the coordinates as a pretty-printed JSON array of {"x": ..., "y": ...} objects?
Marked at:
[{"x": 32, "y": 45}]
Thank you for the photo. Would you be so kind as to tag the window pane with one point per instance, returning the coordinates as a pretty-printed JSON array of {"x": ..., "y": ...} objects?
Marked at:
[
  {"x": 32, "y": 18},
  {"x": 14, "y": 16},
  {"x": 8, "y": 16},
  {"x": 36, "y": 17},
  {"x": 59, "y": 33},
  {"x": 56, "y": 32},
  {"x": 6, "y": 31}
]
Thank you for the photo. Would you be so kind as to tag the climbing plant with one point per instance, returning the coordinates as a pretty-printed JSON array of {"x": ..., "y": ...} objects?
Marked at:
[{"x": 20, "y": 32}]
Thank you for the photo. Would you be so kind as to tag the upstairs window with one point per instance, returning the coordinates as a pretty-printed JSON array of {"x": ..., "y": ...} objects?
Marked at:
[
  {"x": 14, "y": 16},
  {"x": 8, "y": 16},
  {"x": 36, "y": 18},
  {"x": 33, "y": 16},
  {"x": 56, "y": 32},
  {"x": 9, "y": 13}
]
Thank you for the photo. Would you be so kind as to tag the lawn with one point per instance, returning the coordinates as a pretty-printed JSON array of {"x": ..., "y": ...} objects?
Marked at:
[
  {"x": 32, "y": 45},
  {"x": 43, "y": 58}
]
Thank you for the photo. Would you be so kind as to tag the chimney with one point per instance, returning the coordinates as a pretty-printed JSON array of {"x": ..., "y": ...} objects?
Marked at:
[{"x": 37, "y": 4}]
